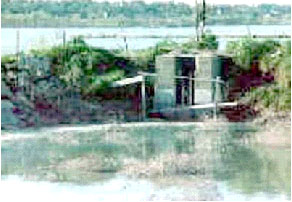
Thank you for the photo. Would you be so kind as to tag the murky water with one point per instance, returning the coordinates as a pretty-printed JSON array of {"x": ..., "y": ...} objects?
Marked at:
[{"x": 145, "y": 162}]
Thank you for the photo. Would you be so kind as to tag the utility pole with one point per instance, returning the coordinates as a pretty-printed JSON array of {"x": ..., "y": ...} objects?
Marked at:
[
  {"x": 17, "y": 43},
  {"x": 64, "y": 38},
  {"x": 203, "y": 17},
  {"x": 197, "y": 21},
  {"x": 122, "y": 24},
  {"x": 17, "y": 55},
  {"x": 200, "y": 18}
]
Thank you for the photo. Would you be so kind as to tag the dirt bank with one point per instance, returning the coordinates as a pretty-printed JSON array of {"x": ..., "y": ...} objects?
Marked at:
[{"x": 275, "y": 129}]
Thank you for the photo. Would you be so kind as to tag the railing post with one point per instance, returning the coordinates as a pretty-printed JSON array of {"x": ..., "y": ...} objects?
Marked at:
[
  {"x": 143, "y": 95},
  {"x": 190, "y": 89},
  {"x": 215, "y": 97},
  {"x": 182, "y": 93}
]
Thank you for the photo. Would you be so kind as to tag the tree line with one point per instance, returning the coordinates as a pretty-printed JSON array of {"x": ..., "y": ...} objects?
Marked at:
[{"x": 89, "y": 13}]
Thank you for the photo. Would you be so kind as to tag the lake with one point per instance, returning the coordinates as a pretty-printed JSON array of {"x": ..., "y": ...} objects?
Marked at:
[
  {"x": 144, "y": 161},
  {"x": 43, "y": 37}
]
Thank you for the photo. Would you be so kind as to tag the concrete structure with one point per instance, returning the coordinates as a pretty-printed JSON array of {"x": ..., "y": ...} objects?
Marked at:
[
  {"x": 170, "y": 90},
  {"x": 208, "y": 66},
  {"x": 188, "y": 79}
]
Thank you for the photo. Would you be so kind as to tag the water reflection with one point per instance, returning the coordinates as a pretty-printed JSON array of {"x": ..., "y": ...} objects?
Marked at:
[{"x": 188, "y": 154}]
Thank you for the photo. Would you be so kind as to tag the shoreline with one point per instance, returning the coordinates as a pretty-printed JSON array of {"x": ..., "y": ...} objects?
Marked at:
[
  {"x": 105, "y": 126},
  {"x": 272, "y": 132},
  {"x": 276, "y": 131},
  {"x": 140, "y": 26}
]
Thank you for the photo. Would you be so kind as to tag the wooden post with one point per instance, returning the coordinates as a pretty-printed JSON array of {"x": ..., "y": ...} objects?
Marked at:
[
  {"x": 190, "y": 88},
  {"x": 215, "y": 97},
  {"x": 215, "y": 111},
  {"x": 32, "y": 89},
  {"x": 215, "y": 107},
  {"x": 16, "y": 83},
  {"x": 143, "y": 95},
  {"x": 182, "y": 93},
  {"x": 17, "y": 43},
  {"x": 64, "y": 37}
]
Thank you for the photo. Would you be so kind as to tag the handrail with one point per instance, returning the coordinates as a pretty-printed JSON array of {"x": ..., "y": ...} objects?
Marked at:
[
  {"x": 185, "y": 77},
  {"x": 217, "y": 81}
]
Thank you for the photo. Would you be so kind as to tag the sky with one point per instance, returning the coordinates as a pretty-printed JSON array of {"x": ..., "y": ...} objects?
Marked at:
[{"x": 232, "y": 2}]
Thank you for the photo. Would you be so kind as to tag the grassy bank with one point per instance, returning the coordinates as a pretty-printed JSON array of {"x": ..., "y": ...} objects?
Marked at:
[
  {"x": 262, "y": 58},
  {"x": 92, "y": 69},
  {"x": 78, "y": 65}
]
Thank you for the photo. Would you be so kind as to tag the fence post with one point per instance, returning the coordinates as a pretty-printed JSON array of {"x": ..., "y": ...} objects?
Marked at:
[
  {"x": 190, "y": 89},
  {"x": 17, "y": 55},
  {"x": 143, "y": 95},
  {"x": 216, "y": 86},
  {"x": 64, "y": 37}
]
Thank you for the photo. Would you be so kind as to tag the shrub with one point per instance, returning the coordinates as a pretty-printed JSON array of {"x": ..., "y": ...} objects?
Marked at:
[
  {"x": 247, "y": 50},
  {"x": 273, "y": 57},
  {"x": 81, "y": 66}
]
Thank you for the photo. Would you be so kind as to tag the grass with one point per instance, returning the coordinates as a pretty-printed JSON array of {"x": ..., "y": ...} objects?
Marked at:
[{"x": 273, "y": 57}]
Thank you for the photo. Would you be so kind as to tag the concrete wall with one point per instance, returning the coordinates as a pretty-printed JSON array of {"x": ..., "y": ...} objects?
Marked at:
[
  {"x": 208, "y": 67},
  {"x": 165, "y": 89}
]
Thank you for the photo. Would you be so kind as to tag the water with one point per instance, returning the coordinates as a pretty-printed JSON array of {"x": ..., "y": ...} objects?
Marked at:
[
  {"x": 42, "y": 37},
  {"x": 155, "y": 161}
]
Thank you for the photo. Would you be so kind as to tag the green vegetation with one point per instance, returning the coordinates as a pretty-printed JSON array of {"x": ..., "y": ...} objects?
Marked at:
[
  {"x": 91, "y": 69},
  {"x": 8, "y": 59},
  {"x": 208, "y": 41},
  {"x": 247, "y": 50},
  {"x": 145, "y": 59},
  {"x": 273, "y": 57},
  {"x": 84, "y": 67},
  {"x": 134, "y": 13}
]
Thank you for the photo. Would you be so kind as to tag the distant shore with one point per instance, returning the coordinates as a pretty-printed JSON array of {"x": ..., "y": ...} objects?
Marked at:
[{"x": 110, "y": 25}]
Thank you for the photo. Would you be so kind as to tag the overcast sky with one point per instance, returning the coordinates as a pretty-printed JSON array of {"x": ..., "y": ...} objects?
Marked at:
[{"x": 192, "y": 2}]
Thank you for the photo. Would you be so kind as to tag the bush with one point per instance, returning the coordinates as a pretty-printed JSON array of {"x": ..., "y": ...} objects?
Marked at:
[
  {"x": 273, "y": 57},
  {"x": 207, "y": 42},
  {"x": 247, "y": 50},
  {"x": 81, "y": 66},
  {"x": 145, "y": 58},
  {"x": 273, "y": 98}
]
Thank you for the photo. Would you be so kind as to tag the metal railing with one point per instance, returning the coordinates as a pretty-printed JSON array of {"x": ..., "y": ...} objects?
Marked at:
[{"x": 217, "y": 81}]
